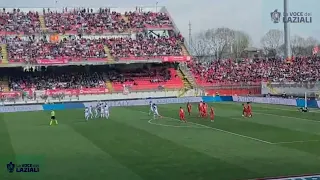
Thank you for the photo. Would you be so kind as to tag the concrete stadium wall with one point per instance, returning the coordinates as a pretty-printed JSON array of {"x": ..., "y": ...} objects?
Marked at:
[
  {"x": 141, "y": 102},
  {"x": 279, "y": 101}
]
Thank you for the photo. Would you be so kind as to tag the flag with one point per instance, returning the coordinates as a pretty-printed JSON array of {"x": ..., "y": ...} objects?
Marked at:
[{"x": 315, "y": 50}]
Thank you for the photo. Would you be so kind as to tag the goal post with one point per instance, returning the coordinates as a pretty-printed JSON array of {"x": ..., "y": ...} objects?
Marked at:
[{"x": 310, "y": 95}]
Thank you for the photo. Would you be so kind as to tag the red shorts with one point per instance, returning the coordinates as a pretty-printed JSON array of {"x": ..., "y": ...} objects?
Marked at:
[
  {"x": 212, "y": 116},
  {"x": 189, "y": 109}
]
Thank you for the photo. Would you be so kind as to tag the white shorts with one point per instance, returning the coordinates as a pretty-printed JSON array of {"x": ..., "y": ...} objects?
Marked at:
[
  {"x": 106, "y": 112},
  {"x": 156, "y": 112},
  {"x": 86, "y": 114}
]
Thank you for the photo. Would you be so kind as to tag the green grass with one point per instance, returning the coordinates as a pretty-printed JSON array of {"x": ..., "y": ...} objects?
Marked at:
[{"x": 277, "y": 141}]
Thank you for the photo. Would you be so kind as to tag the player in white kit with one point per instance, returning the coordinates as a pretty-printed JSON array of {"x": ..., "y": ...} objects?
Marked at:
[
  {"x": 86, "y": 113},
  {"x": 90, "y": 112},
  {"x": 101, "y": 110},
  {"x": 96, "y": 111},
  {"x": 155, "y": 111},
  {"x": 151, "y": 108},
  {"x": 106, "y": 111}
]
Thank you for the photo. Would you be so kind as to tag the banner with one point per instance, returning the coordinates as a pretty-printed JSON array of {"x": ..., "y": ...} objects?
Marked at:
[
  {"x": 176, "y": 58},
  {"x": 72, "y": 92},
  {"x": 306, "y": 177},
  {"x": 75, "y": 92},
  {"x": 315, "y": 50},
  {"x": 11, "y": 94},
  {"x": 265, "y": 100},
  {"x": 147, "y": 101},
  {"x": 20, "y": 108},
  {"x": 85, "y": 91},
  {"x": 52, "y": 61}
]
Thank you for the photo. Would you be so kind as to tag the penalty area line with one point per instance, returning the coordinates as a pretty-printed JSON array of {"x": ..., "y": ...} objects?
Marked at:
[
  {"x": 168, "y": 125},
  {"x": 220, "y": 130},
  {"x": 293, "y": 142}
]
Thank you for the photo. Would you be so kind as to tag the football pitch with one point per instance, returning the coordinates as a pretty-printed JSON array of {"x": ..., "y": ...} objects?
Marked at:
[{"x": 277, "y": 141}]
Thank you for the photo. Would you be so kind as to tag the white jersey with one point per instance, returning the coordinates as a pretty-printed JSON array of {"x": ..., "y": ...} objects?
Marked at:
[
  {"x": 155, "y": 109},
  {"x": 106, "y": 108},
  {"x": 86, "y": 111},
  {"x": 90, "y": 109},
  {"x": 151, "y": 106}
]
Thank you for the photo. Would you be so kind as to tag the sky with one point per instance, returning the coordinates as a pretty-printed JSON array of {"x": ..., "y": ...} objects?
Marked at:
[{"x": 251, "y": 16}]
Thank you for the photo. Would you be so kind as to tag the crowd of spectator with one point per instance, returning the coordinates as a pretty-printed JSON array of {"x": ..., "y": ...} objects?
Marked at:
[
  {"x": 55, "y": 78},
  {"x": 80, "y": 20},
  {"x": 32, "y": 49},
  {"x": 154, "y": 75},
  {"x": 76, "y": 77},
  {"x": 152, "y": 19},
  {"x": 300, "y": 69},
  {"x": 144, "y": 46},
  {"x": 86, "y": 21},
  {"x": 19, "y": 22}
]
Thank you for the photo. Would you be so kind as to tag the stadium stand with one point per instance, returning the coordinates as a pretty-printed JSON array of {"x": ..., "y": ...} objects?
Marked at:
[
  {"x": 228, "y": 72},
  {"x": 141, "y": 46},
  {"x": 107, "y": 35},
  {"x": 85, "y": 21},
  {"x": 19, "y": 22},
  {"x": 70, "y": 48},
  {"x": 81, "y": 77}
]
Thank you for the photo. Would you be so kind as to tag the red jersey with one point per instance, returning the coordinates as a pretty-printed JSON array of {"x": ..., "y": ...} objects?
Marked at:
[
  {"x": 189, "y": 106},
  {"x": 181, "y": 112},
  {"x": 211, "y": 111},
  {"x": 200, "y": 106},
  {"x": 244, "y": 108},
  {"x": 249, "y": 107}
]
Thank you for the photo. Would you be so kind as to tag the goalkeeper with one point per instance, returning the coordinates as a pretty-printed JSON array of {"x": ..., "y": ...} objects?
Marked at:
[
  {"x": 304, "y": 109},
  {"x": 53, "y": 118}
]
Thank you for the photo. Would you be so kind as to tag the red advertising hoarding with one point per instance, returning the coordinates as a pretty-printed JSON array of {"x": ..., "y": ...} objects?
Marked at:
[
  {"x": 176, "y": 58},
  {"x": 74, "y": 92},
  {"x": 52, "y": 61},
  {"x": 11, "y": 94}
]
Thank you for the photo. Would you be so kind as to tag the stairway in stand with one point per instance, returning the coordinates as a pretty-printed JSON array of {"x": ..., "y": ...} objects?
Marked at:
[
  {"x": 187, "y": 77},
  {"x": 110, "y": 57},
  {"x": 109, "y": 86},
  {"x": 4, "y": 54},
  {"x": 273, "y": 90},
  {"x": 42, "y": 23},
  {"x": 4, "y": 84},
  {"x": 187, "y": 85},
  {"x": 184, "y": 50}
]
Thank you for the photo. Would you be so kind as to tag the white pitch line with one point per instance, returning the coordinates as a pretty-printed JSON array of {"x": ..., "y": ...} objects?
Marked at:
[
  {"x": 167, "y": 125},
  {"x": 227, "y": 132},
  {"x": 301, "y": 119},
  {"x": 292, "y": 142}
]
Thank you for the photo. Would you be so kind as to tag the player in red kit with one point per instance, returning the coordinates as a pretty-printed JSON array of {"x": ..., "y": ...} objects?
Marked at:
[
  {"x": 181, "y": 114},
  {"x": 189, "y": 108},
  {"x": 205, "y": 110},
  {"x": 211, "y": 114},
  {"x": 200, "y": 108},
  {"x": 244, "y": 110},
  {"x": 249, "y": 110}
]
